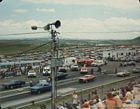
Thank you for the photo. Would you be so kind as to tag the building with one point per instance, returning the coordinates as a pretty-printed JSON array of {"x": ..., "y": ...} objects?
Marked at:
[{"x": 119, "y": 54}]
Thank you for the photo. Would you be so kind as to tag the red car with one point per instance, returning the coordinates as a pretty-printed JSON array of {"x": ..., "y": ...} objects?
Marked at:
[
  {"x": 86, "y": 78},
  {"x": 83, "y": 70}
]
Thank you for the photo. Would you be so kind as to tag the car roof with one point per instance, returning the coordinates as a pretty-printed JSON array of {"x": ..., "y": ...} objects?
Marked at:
[{"x": 88, "y": 75}]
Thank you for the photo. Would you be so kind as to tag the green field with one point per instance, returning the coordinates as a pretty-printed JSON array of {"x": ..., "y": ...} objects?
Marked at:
[{"x": 8, "y": 47}]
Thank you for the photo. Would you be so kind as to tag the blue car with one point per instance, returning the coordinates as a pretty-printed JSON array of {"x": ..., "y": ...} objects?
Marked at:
[
  {"x": 9, "y": 74},
  {"x": 40, "y": 88}
]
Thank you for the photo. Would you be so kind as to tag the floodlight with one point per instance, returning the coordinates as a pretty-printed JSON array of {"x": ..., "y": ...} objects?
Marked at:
[
  {"x": 34, "y": 27},
  {"x": 57, "y": 24}
]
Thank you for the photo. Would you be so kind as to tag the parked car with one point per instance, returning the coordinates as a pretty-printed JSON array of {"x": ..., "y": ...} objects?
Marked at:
[
  {"x": 40, "y": 88},
  {"x": 13, "y": 84},
  {"x": 31, "y": 73},
  {"x": 86, "y": 78},
  {"x": 9, "y": 74},
  {"x": 62, "y": 69},
  {"x": 74, "y": 67},
  {"x": 123, "y": 73},
  {"x": 46, "y": 71},
  {"x": 83, "y": 70},
  {"x": 98, "y": 63},
  {"x": 136, "y": 70},
  {"x": 59, "y": 76},
  {"x": 130, "y": 63}
]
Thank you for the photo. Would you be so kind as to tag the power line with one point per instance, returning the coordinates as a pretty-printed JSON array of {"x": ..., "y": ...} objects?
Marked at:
[
  {"x": 26, "y": 33},
  {"x": 91, "y": 32},
  {"x": 31, "y": 49},
  {"x": 35, "y": 48},
  {"x": 105, "y": 32}
]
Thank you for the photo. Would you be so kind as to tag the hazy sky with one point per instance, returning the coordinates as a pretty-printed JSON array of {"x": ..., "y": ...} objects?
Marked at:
[{"x": 79, "y": 18}]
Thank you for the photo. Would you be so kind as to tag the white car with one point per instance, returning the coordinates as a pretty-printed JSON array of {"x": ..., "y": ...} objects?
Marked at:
[
  {"x": 84, "y": 70},
  {"x": 123, "y": 73},
  {"x": 46, "y": 71},
  {"x": 98, "y": 63},
  {"x": 74, "y": 67},
  {"x": 63, "y": 69},
  {"x": 31, "y": 73}
]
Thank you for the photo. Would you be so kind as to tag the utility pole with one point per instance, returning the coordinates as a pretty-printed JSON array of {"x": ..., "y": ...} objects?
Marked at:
[
  {"x": 48, "y": 27},
  {"x": 53, "y": 68}
]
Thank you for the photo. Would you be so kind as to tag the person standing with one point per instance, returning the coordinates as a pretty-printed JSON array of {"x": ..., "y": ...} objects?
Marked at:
[
  {"x": 75, "y": 99},
  {"x": 99, "y": 69},
  {"x": 31, "y": 83},
  {"x": 92, "y": 71},
  {"x": 116, "y": 70}
]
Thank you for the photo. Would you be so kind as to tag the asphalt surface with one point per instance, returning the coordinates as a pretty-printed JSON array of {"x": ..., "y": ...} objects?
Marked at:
[{"x": 110, "y": 67}]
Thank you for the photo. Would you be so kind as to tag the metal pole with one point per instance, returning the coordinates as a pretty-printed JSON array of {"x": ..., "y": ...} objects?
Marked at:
[
  {"x": 53, "y": 69},
  {"x": 57, "y": 24}
]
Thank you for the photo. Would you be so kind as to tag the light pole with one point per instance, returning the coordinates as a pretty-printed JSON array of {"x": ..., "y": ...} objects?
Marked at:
[{"x": 48, "y": 27}]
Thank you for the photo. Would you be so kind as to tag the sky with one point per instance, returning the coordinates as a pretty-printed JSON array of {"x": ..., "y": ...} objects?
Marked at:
[{"x": 80, "y": 19}]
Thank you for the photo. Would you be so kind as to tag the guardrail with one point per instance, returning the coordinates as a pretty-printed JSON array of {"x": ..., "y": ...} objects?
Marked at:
[{"x": 101, "y": 89}]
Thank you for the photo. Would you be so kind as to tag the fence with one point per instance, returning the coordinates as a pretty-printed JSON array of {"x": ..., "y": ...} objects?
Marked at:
[{"x": 83, "y": 92}]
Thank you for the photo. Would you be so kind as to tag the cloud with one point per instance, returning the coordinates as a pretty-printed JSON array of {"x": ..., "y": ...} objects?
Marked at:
[
  {"x": 13, "y": 26},
  {"x": 45, "y": 10},
  {"x": 121, "y": 4},
  {"x": 89, "y": 28},
  {"x": 84, "y": 28},
  {"x": 110, "y": 24},
  {"x": 20, "y": 10}
]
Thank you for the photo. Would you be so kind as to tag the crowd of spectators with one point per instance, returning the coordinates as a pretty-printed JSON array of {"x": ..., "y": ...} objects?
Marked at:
[{"x": 124, "y": 98}]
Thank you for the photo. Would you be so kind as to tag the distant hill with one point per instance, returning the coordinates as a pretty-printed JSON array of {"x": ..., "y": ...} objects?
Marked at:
[
  {"x": 14, "y": 46},
  {"x": 137, "y": 38},
  {"x": 135, "y": 41}
]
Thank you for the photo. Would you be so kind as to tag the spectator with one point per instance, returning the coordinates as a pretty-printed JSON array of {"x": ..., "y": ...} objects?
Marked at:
[
  {"x": 78, "y": 106},
  {"x": 75, "y": 98},
  {"x": 60, "y": 106},
  {"x": 93, "y": 94},
  {"x": 86, "y": 105},
  {"x": 99, "y": 104},
  {"x": 93, "y": 104},
  {"x": 110, "y": 102},
  {"x": 122, "y": 93},
  {"x": 118, "y": 100},
  {"x": 128, "y": 95}
]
